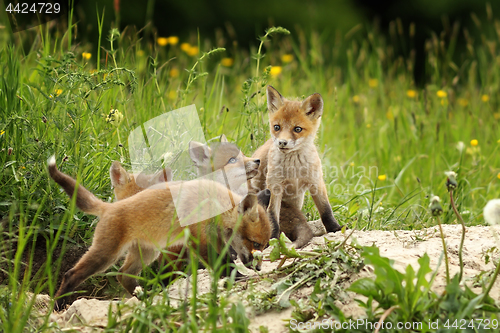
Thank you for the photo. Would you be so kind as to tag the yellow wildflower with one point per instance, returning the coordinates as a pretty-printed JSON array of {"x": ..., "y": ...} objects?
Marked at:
[
  {"x": 2, "y": 132},
  {"x": 351, "y": 164},
  {"x": 485, "y": 98},
  {"x": 287, "y": 58},
  {"x": 58, "y": 92},
  {"x": 174, "y": 72},
  {"x": 193, "y": 50},
  {"x": 368, "y": 125},
  {"x": 463, "y": 102},
  {"x": 474, "y": 143},
  {"x": 382, "y": 177},
  {"x": 411, "y": 93},
  {"x": 140, "y": 53},
  {"x": 373, "y": 83},
  {"x": 355, "y": 99},
  {"x": 389, "y": 115},
  {"x": 227, "y": 62},
  {"x": 185, "y": 47},
  {"x": 173, "y": 40},
  {"x": 498, "y": 176},
  {"x": 172, "y": 94},
  {"x": 86, "y": 55},
  {"x": 276, "y": 70},
  {"x": 162, "y": 41},
  {"x": 441, "y": 94}
]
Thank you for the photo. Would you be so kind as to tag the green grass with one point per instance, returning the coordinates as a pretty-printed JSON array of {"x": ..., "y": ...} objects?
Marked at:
[{"x": 385, "y": 143}]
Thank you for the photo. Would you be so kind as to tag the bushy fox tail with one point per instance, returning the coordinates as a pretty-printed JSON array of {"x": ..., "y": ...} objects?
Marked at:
[{"x": 85, "y": 200}]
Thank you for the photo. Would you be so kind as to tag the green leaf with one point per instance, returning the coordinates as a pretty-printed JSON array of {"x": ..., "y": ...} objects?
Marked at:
[
  {"x": 275, "y": 252},
  {"x": 365, "y": 287}
]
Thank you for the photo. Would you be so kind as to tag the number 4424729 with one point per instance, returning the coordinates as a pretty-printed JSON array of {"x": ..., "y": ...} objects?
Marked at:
[
  {"x": 472, "y": 323},
  {"x": 40, "y": 7}
]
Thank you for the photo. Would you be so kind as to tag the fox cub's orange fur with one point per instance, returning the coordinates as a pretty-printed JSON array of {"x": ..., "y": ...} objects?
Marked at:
[
  {"x": 146, "y": 222},
  {"x": 125, "y": 184},
  {"x": 218, "y": 156},
  {"x": 290, "y": 163}
]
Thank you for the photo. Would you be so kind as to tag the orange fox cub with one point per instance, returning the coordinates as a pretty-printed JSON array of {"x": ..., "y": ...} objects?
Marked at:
[
  {"x": 147, "y": 221},
  {"x": 218, "y": 156},
  {"x": 290, "y": 163}
]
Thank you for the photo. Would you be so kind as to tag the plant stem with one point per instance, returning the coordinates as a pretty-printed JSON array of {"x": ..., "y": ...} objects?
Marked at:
[
  {"x": 445, "y": 251},
  {"x": 462, "y": 239},
  {"x": 492, "y": 282}
]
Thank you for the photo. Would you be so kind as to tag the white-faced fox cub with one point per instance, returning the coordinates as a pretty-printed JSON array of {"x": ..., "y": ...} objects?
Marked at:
[
  {"x": 290, "y": 164},
  {"x": 147, "y": 221},
  {"x": 226, "y": 161}
]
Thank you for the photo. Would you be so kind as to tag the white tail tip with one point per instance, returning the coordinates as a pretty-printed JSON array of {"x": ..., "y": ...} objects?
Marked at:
[
  {"x": 492, "y": 212},
  {"x": 52, "y": 160}
]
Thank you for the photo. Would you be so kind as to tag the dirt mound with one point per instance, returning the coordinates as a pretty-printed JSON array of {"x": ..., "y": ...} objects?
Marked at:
[{"x": 404, "y": 247}]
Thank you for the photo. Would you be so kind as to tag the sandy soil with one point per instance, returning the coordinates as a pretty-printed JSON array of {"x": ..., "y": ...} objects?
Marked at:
[{"x": 405, "y": 247}]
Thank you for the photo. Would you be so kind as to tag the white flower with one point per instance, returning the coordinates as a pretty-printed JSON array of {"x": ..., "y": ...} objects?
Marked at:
[
  {"x": 451, "y": 174},
  {"x": 491, "y": 212},
  {"x": 138, "y": 292},
  {"x": 435, "y": 199}
]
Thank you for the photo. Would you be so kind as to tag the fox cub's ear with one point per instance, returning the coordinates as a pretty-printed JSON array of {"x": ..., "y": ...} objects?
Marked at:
[
  {"x": 223, "y": 139},
  {"x": 313, "y": 106},
  {"x": 249, "y": 206},
  {"x": 274, "y": 99},
  {"x": 200, "y": 153},
  {"x": 118, "y": 175}
]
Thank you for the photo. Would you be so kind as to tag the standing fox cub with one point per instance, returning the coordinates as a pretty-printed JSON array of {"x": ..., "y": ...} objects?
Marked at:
[
  {"x": 147, "y": 221},
  {"x": 290, "y": 164}
]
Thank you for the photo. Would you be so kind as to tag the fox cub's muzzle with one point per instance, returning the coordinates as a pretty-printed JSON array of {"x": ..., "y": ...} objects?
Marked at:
[{"x": 282, "y": 143}]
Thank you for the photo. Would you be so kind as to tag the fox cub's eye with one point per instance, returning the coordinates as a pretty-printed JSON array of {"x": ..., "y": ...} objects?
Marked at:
[
  {"x": 232, "y": 160},
  {"x": 277, "y": 127},
  {"x": 256, "y": 245},
  {"x": 298, "y": 129}
]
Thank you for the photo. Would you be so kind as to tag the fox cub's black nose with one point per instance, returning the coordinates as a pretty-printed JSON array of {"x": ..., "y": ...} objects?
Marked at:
[
  {"x": 282, "y": 143},
  {"x": 257, "y": 161}
]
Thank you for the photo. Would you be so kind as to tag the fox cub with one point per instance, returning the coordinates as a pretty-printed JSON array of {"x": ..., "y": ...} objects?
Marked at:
[
  {"x": 290, "y": 163},
  {"x": 126, "y": 185},
  {"x": 219, "y": 156},
  {"x": 147, "y": 221},
  {"x": 227, "y": 157}
]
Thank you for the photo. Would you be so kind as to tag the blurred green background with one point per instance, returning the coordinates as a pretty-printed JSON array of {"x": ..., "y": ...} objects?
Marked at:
[{"x": 231, "y": 23}]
